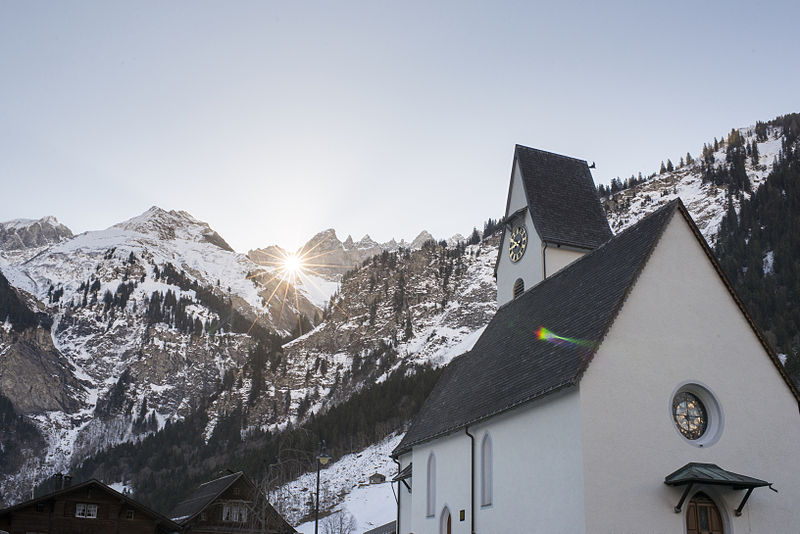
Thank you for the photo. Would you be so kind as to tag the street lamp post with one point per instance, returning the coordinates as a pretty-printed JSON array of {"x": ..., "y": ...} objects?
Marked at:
[{"x": 322, "y": 459}]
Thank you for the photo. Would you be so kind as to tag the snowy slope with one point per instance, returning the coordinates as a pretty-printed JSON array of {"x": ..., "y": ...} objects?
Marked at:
[
  {"x": 706, "y": 202},
  {"x": 371, "y": 505}
]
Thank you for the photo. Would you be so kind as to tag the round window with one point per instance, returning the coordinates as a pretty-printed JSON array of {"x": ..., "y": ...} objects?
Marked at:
[
  {"x": 690, "y": 415},
  {"x": 696, "y": 414}
]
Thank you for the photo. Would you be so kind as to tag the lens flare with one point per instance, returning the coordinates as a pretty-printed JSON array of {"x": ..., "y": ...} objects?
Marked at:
[
  {"x": 293, "y": 265},
  {"x": 543, "y": 334}
]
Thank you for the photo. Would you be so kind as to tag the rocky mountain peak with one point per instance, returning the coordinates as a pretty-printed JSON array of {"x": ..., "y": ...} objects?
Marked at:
[
  {"x": 323, "y": 241},
  {"x": 421, "y": 239},
  {"x": 171, "y": 225},
  {"x": 367, "y": 242},
  {"x": 18, "y": 234}
]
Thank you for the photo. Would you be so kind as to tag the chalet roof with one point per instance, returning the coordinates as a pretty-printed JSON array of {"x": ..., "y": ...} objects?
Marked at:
[
  {"x": 163, "y": 522},
  {"x": 210, "y": 491},
  {"x": 564, "y": 203},
  {"x": 204, "y": 495},
  {"x": 516, "y": 361}
]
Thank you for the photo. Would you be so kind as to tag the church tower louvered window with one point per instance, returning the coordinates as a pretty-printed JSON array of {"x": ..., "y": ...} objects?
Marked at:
[{"x": 519, "y": 287}]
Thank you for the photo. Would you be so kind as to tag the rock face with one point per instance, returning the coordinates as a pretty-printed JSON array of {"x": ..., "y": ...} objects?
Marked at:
[
  {"x": 34, "y": 375},
  {"x": 20, "y": 234},
  {"x": 396, "y": 308}
]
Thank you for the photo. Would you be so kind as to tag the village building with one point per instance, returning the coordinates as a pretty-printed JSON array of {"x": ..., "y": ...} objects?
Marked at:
[
  {"x": 230, "y": 504},
  {"x": 87, "y": 508},
  {"x": 621, "y": 386}
]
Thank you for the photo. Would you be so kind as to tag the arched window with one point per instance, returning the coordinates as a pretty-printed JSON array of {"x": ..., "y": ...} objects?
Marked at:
[
  {"x": 445, "y": 523},
  {"x": 519, "y": 287},
  {"x": 431, "y": 495},
  {"x": 486, "y": 471}
]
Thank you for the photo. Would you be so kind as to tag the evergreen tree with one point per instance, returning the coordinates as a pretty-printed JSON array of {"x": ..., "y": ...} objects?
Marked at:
[
  {"x": 475, "y": 237},
  {"x": 663, "y": 168},
  {"x": 670, "y": 167},
  {"x": 754, "y": 153}
]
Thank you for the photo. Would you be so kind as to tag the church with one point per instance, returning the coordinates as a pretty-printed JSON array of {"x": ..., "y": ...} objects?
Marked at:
[{"x": 621, "y": 387}]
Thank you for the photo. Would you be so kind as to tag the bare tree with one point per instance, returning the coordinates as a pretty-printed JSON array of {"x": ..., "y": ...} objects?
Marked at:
[{"x": 339, "y": 522}]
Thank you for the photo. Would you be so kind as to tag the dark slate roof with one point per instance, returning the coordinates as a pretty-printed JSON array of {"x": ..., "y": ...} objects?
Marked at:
[
  {"x": 711, "y": 474},
  {"x": 202, "y": 497},
  {"x": 509, "y": 365},
  {"x": 564, "y": 203},
  {"x": 164, "y": 523}
]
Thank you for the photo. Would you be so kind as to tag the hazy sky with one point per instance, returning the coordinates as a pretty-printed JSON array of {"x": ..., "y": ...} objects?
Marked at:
[{"x": 274, "y": 120}]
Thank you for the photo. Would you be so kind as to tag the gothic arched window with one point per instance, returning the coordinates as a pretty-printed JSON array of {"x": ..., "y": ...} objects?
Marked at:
[{"x": 431, "y": 495}]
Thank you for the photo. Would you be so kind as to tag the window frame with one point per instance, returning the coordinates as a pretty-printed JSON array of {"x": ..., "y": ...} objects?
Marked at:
[{"x": 85, "y": 510}]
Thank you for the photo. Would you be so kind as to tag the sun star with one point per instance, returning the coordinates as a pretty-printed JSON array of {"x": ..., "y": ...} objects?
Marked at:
[{"x": 293, "y": 265}]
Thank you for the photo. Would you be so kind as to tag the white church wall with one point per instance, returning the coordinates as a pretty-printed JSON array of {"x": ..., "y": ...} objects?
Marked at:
[
  {"x": 452, "y": 455},
  {"x": 537, "y": 468},
  {"x": 678, "y": 325},
  {"x": 529, "y": 267},
  {"x": 556, "y": 259}
]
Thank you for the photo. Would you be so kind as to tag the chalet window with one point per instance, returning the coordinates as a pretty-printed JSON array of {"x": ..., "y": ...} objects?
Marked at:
[
  {"x": 129, "y": 514},
  {"x": 486, "y": 471},
  {"x": 431, "y": 494},
  {"x": 235, "y": 513},
  {"x": 86, "y": 511},
  {"x": 202, "y": 516},
  {"x": 40, "y": 507},
  {"x": 519, "y": 287}
]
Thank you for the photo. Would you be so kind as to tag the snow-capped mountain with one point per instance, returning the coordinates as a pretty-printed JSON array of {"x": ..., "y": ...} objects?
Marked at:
[
  {"x": 155, "y": 316},
  {"x": 144, "y": 319}
]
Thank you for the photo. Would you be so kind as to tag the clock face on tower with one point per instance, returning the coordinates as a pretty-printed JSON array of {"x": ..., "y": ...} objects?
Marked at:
[{"x": 518, "y": 243}]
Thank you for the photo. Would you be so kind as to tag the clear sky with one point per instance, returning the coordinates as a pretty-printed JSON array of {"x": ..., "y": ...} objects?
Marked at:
[{"x": 274, "y": 120}]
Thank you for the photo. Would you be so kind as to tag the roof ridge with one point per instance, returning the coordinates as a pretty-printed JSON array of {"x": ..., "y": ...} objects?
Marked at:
[
  {"x": 220, "y": 478},
  {"x": 571, "y": 266},
  {"x": 550, "y": 153}
]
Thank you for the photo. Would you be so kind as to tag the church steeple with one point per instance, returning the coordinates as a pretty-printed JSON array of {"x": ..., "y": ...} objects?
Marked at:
[{"x": 553, "y": 216}]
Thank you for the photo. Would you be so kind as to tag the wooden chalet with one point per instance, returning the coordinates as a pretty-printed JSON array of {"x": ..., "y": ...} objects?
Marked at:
[
  {"x": 90, "y": 507},
  {"x": 231, "y": 504}
]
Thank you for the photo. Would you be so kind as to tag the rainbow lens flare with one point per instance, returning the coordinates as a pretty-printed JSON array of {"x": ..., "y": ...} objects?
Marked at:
[{"x": 543, "y": 334}]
